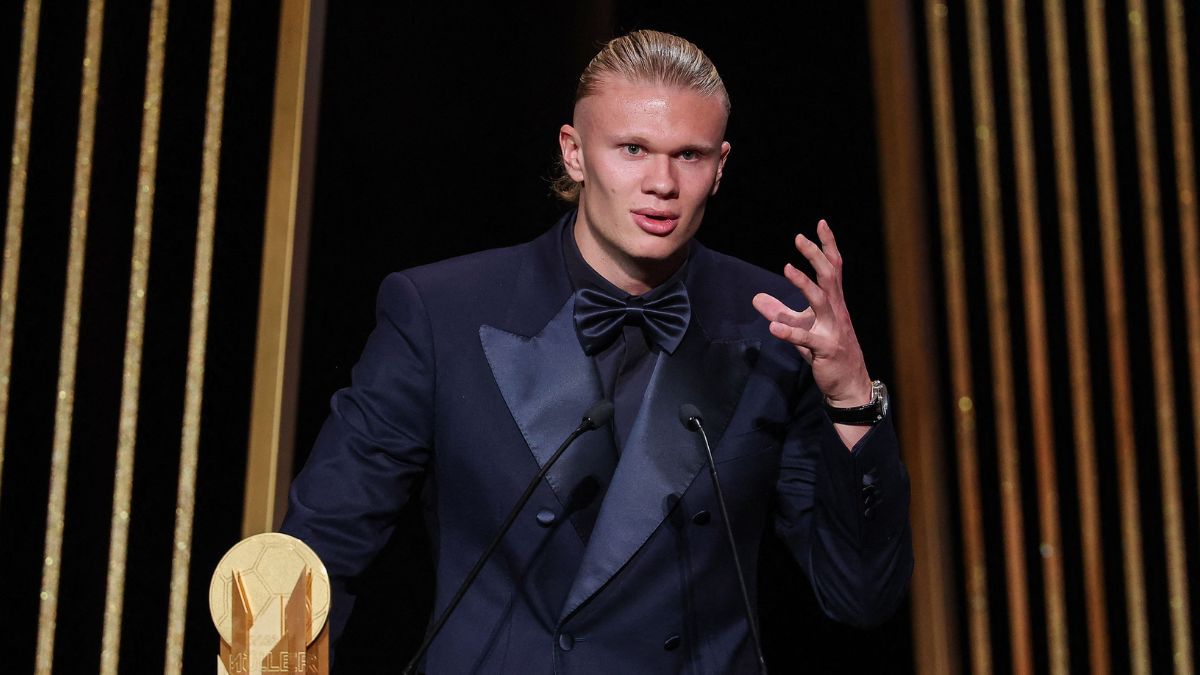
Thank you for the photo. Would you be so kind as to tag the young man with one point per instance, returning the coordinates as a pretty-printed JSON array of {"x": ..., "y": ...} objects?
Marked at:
[{"x": 480, "y": 366}]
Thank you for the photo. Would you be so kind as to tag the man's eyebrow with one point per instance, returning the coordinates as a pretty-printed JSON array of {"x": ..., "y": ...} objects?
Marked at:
[{"x": 701, "y": 148}]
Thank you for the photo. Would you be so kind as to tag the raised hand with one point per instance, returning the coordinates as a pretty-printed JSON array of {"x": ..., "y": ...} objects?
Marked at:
[{"x": 822, "y": 333}]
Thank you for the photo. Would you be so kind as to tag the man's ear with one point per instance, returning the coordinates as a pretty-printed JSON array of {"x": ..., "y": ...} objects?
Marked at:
[
  {"x": 572, "y": 152},
  {"x": 725, "y": 148}
]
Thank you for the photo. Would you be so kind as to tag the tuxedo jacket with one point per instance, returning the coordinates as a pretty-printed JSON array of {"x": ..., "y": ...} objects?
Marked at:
[{"x": 471, "y": 379}]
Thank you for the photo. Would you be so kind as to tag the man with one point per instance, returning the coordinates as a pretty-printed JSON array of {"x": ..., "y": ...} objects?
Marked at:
[{"x": 480, "y": 366}]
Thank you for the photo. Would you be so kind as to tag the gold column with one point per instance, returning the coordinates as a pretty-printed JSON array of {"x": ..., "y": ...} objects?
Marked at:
[
  {"x": 185, "y": 499},
  {"x": 1160, "y": 339},
  {"x": 1036, "y": 337},
  {"x": 1087, "y": 480},
  {"x": 131, "y": 373},
  {"x": 285, "y": 258},
  {"x": 913, "y": 339},
  {"x": 14, "y": 222},
  {"x": 69, "y": 347},
  {"x": 998, "y": 326},
  {"x": 974, "y": 554},
  {"x": 1118, "y": 341},
  {"x": 1185, "y": 183}
]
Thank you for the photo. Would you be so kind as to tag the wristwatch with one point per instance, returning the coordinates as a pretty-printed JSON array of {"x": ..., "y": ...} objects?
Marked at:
[{"x": 863, "y": 415}]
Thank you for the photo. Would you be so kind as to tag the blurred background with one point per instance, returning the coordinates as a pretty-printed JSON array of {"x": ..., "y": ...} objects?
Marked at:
[{"x": 202, "y": 199}]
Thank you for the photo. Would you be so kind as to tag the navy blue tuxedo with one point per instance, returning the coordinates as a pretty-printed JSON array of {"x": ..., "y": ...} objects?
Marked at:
[{"x": 474, "y": 375}]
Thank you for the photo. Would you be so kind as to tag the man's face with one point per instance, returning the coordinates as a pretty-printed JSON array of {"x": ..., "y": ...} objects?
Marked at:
[{"x": 648, "y": 156}]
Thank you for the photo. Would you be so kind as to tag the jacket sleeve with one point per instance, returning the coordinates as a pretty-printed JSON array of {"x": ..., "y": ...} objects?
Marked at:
[
  {"x": 844, "y": 513},
  {"x": 373, "y": 448}
]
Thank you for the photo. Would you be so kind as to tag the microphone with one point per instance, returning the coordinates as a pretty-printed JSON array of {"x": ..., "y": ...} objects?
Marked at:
[
  {"x": 692, "y": 420},
  {"x": 596, "y": 416}
]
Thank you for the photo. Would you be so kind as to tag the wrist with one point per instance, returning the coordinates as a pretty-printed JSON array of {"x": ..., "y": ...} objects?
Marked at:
[{"x": 858, "y": 394}]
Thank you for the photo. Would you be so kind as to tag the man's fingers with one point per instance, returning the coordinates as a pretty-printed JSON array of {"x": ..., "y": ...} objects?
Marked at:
[
  {"x": 792, "y": 334},
  {"x": 804, "y": 319},
  {"x": 829, "y": 244},
  {"x": 826, "y": 274},
  {"x": 773, "y": 309},
  {"x": 810, "y": 289},
  {"x": 768, "y": 305}
]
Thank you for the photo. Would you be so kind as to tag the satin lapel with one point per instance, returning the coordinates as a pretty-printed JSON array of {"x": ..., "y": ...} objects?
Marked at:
[
  {"x": 548, "y": 384},
  {"x": 661, "y": 457}
]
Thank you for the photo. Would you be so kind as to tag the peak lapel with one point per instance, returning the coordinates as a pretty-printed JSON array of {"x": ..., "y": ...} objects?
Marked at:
[
  {"x": 662, "y": 458},
  {"x": 548, "y": 384}
]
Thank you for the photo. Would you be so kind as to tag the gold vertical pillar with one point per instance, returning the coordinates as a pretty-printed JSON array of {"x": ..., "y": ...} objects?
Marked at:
[
  {"x": 185, "y": 499},
  {"x": 913, "y": 339},
  {"x": 15, "y": 219},
  {"x": 1160, "y": 339},
  {"x": 69, "y": 345},
  {"x": 998, "y": 327},
  {"x": 1087, "y": 480},
  {"x": 966, "y": 447},
  {"x": 1036, "y": 337},
  {"x": 1185, "y": 183},
  {"x": 285, "y": 258},
  {"x": 1118, "y": 340},
  {"x": 131, "y": 373}
]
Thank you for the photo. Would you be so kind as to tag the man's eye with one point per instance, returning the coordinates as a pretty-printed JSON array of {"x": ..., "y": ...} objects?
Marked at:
[
  {"x": 689, "y": 155},
  {"x": 633, "y": 149}
]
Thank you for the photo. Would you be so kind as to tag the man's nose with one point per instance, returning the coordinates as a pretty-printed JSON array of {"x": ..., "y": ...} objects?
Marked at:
[{"x": 660, "y": 178}]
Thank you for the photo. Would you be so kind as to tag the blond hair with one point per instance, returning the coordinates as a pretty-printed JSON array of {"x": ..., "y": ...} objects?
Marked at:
[{"x": 643, "y": 56}]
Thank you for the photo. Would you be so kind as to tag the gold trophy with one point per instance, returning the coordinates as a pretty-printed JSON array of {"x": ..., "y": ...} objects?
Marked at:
[{"x": 269, "y": 600}]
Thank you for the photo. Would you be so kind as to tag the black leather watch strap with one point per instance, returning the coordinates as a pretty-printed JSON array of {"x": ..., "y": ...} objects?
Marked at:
[{"x": 863, "y": 415}]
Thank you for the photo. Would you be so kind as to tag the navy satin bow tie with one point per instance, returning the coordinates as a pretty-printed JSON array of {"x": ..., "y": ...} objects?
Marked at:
[{"x": 599, "y": 317}]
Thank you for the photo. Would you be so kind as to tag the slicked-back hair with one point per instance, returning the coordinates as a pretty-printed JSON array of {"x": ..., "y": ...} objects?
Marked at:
[{"x": 647, "y": 56}]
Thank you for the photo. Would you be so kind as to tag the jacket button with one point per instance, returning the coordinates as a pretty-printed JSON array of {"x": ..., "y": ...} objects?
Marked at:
[
  {"x": 546, "y": 517},
  {"x": 702, "y": 517},
  {"x": 672, "y": 643},
  {"x": 566, "y": 642}
]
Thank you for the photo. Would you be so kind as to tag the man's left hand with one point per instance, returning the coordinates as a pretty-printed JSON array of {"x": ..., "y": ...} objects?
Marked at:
[{"x": 822, "y": 333}]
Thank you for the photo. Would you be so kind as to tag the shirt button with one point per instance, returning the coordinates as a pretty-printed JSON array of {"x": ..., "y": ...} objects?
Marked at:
[
  {"x": 672, "y": 643},
  {"x": 702, "y": 518},
  {"x": 546, "y": 517},
  {"x": 566, "y": 642}
]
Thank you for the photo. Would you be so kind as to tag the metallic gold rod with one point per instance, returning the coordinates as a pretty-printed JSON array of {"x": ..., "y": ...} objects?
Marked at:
[
  {"x": 1185, "y": 182},
  {"x": 15, "y": 219},
  {"x": 185, "y": 499},
  {"x": 1087, "y": 479},
  {"x": 998, "y": 326},
  {"x": 936, "y": 641},
  {"x": 1036, "y": 337},
  {"x": 131, "y": 375},
  {"x": 69, "y": 346},
  {"x": 285, "y": 241},
  {"x": 1160, "y": 339},
  {"x": 1118, "y": 341},
  {"x": 974, "y": 554}
]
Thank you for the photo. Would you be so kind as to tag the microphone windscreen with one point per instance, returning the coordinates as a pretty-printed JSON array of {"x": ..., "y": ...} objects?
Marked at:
[
  {"x": 690, "y": 417},
  {"x": 599, "y": 414}
]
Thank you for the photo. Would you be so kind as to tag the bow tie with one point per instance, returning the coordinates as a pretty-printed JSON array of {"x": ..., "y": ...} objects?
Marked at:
[{"x": 599, "y": 317}]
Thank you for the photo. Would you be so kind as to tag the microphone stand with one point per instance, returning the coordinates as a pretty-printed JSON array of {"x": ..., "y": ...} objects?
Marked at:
[
  {"x": 596, "y": 417},
  {"x": 689, "y": 415}
]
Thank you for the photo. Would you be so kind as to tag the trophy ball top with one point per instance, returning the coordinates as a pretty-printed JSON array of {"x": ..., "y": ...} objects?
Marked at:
[{"x": 270, "y": 564}]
